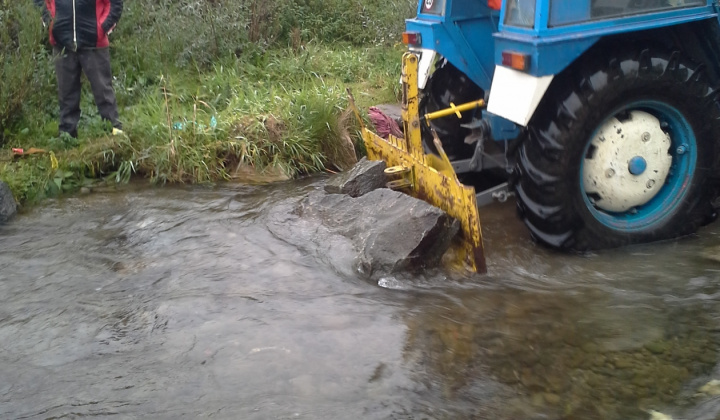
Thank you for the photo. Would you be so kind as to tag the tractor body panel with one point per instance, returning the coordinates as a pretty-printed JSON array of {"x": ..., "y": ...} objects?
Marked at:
[
  {"x": 462, "y": 32},
  {"x": 552, "y": 45},
  {"x": 551, "y": 34}
]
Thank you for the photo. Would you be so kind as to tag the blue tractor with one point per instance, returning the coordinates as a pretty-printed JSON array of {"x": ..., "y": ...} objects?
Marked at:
[{"x": 603, "y": 115}]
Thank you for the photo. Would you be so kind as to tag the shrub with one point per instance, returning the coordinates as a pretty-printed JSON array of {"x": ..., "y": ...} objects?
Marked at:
[{"x": 196, "y": 33}]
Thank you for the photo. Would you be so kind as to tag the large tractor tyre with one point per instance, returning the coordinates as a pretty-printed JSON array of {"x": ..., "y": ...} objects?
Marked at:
[
  {"x": 620, "y": 152},
  {"x": 448, "y": 85}
]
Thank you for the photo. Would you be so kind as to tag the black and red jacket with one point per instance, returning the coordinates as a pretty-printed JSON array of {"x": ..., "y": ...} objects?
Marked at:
[{"x": 77, "y": 24}]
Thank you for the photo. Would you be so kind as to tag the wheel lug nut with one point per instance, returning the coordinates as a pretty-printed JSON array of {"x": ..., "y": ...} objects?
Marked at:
[
  {"x": 633, "y": 211},
  {"x": 646, "y": 137},
  {"x": 610, "y": 173},
  {"x": 650, "y": 183},
  {"x": 681, "y": 150}
]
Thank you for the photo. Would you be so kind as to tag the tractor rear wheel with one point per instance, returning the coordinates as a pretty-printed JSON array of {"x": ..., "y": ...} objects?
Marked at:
[
  {"x": 620, "y": 152},
  {"x": 447, "y": 85}
]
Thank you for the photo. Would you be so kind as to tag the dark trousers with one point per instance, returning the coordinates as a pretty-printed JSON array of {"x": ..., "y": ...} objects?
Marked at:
[{"x": 95, "y": 63}]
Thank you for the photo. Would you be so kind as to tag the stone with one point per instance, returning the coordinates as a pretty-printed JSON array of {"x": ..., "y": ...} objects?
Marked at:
[
  {"x": 711, "y": 388},
  {"x": 8, "y": 206},
  {"x": 552, "y": 399},
  {"x": 711, "y": 253},
  {"x": 590, "y": 348},
  {"x": 538, "y": 399},
  {"x": 379, "y": 233},
  {"x": 623, "y": 363},
  {"x": 656, "y": 415},
  {"x": 657, "y": 347},
  {"x": 365, "y": 176}
]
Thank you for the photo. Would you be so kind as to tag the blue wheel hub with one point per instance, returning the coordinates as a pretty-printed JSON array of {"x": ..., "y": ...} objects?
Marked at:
[{"x": 637, "y": 165}]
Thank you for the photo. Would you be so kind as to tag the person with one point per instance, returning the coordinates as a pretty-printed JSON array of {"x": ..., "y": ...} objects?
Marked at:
[{"x": 79, "y": 32}]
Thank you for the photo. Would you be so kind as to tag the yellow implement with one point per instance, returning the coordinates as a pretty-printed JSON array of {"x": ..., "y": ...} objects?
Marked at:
[{"x": 427, "y": 176}]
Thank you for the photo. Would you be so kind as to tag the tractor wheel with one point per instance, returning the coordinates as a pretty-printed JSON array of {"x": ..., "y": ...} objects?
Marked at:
[
  {"x": 448, "y": 85},
  {"x": 620, "y": 152}
]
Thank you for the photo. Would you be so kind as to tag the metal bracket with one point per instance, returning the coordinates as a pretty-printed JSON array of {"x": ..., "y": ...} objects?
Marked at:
[
  {"x": 487, "y": 161},
  {"x": 397, "y": 170},
  {"x": 405, "y": 177},
  {"x": 499, "y": 193}
]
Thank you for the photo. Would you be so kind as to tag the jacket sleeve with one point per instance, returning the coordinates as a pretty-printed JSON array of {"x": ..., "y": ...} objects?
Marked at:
[
  {"x": 116, "y": 8},
  {"x": 45, "y": 12}
]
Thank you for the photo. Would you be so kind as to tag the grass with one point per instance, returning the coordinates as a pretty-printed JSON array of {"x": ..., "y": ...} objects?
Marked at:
[{"x": 194, "y": 109}]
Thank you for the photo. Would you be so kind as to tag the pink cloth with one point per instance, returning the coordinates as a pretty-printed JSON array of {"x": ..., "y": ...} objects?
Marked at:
[{"x": 384, "y": 125}]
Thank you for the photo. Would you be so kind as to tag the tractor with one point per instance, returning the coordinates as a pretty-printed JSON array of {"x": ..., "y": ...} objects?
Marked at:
[{"x": 602, "y": 117}]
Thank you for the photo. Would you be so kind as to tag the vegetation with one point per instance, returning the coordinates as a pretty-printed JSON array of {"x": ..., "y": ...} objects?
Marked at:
[{"x": 207, "y": 89}]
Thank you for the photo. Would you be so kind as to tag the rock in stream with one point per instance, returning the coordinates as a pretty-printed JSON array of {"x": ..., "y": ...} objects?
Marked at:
[
  {"x": 379, "y": 233},
  {"x": 365, "y": 176},
  {"x": 8, "y": 207}
]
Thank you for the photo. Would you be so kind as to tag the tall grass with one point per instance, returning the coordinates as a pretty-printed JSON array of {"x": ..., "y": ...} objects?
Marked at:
[
  {"x": 206, "y": 89},
  {"x": 24, "y": 72}
]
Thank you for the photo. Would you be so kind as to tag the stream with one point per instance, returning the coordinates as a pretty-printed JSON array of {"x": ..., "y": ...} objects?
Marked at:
[{"x": 180, "y": 302}]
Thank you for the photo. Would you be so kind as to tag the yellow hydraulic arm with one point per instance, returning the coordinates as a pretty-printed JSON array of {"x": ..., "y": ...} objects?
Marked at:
[{"x": 427, "y": 176}]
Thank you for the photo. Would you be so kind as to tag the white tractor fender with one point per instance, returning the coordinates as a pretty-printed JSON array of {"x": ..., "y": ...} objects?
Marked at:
[
  {"x": 427, "y": 59},
  {"x": 515, "y": 95}
]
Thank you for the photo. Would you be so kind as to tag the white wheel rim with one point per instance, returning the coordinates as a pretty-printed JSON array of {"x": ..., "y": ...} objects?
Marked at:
[{"x": 627, "y": 162}]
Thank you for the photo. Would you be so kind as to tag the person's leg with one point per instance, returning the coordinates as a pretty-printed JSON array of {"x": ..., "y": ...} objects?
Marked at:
[
  {"x": 67, "y": 71},
  {"x": 96, "y": 66}
]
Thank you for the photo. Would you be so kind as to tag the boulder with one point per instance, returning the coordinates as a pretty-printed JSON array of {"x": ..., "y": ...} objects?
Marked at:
[
  {"x": 711, "y": 253},
  {"x": 8, "y": 207},
  {"x": 365, "y": 176},
  {"x": 376, "y": 234}
]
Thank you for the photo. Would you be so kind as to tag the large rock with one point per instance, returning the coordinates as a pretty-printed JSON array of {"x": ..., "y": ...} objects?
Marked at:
[
  {"x": 8, "y": 207},
  {"x": 379, "y": 233},
  {"x": 365, "y": 176}
]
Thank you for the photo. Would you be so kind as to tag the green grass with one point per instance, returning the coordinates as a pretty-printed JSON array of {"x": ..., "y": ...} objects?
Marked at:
[{"x": 216, "y": 93}]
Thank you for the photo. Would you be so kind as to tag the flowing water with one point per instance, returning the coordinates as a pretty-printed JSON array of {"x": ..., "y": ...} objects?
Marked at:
[{"x": 174, "y": 303}]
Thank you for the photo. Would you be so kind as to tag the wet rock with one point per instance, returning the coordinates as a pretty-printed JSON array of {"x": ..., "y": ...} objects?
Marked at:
[
  {"x": 538, "y": 399},
  {"x": 642, "y": 381},
  {"x": 381, "y": 232},
  {"x": 532, "y": 380},
  {"x": 656, "y": 415},
  {"x": 552, "y": 399},
  {"x": 657, "y": 347},
  {"x": 623, "y": 363},
  {"x": 577, "y": 359},
  {"x": 365, "y": 176},
  {"x": 8, "y": 207},
  {"x": 711, "y": 253},
  {"x": 708, "y": 357},
  {"x": 590, "y": 348},
  {"x": 711, "y": 388},
  {"x": 599, "y": 360}
]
